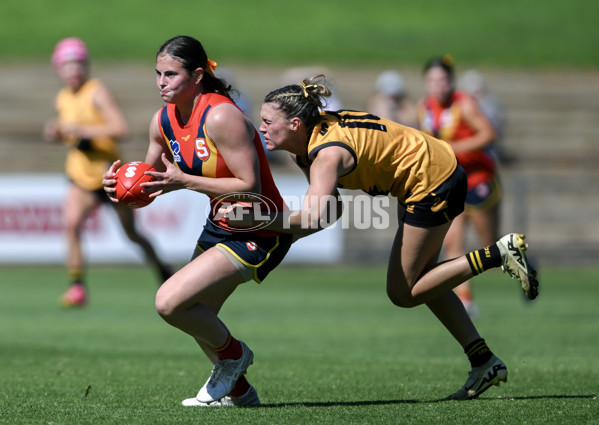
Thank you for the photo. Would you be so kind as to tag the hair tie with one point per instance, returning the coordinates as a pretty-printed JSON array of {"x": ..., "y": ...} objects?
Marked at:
[
  {"x": 447, "y": 60},
  {"x": 306, "y": 87},
  {"x": 210, "y": 66}
]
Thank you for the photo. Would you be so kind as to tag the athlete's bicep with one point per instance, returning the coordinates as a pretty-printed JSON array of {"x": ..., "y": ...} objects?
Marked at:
[
  {"x": 233, "y": 134},
  {"x": 324, "y": 173},
  {"x": 475, "y": 118},
  {"x": 322, "y": 196},
  {"x": 115, "y": 121}
]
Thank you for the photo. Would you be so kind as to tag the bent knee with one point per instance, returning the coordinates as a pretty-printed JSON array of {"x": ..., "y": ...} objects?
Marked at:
[
  {"x": 400, "y": 299},
  {"x": 164, "y": 305}
]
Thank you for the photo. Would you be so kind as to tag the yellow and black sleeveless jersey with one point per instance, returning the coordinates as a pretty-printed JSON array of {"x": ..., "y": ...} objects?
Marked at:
[
  {"x": 85, "y": 166},
  {"x": 389, "y": 158}
]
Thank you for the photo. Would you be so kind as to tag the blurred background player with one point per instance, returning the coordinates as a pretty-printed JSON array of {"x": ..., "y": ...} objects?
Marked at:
[
  {"x": 473, "y": 82},
  {"x": 391, "y": 100},
  {"x": 90, "y": 122},
  {"x": 456, "y": 117}
]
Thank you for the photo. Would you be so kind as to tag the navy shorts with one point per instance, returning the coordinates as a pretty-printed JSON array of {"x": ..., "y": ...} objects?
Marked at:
[
  {"x": 441, "y": 206},
  {"x": 261, "y": 253},
  {"x": 484, "y": 196}
]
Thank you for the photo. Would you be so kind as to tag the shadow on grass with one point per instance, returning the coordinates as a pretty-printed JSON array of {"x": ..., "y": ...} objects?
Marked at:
[
  {"x": 384, "y": 402},
  {"x": 342, "y": 403},
  {"x": 556, "y": 396}
]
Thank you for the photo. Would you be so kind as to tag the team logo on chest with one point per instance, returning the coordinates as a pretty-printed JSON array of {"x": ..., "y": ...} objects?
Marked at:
[
  {"x": 202, "y": 150},
  {"x": 176, "y": 150}
]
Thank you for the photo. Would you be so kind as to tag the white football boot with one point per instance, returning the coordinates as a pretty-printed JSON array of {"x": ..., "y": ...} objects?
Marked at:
[
  {"x": 514, "y": 262},
  {"x": 249, "y": 399},
  {"x": 225, "y": 374}
]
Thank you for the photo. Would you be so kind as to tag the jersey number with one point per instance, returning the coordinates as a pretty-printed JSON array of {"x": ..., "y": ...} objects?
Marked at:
[
  {"x": 350, "y": 119},
  {"x": 363, "y": 121}
]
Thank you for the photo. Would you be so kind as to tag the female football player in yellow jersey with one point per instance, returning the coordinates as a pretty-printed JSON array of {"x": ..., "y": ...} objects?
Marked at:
[
  {"x": 90, "y": 122},
  {"x": 357, "y": 150}
]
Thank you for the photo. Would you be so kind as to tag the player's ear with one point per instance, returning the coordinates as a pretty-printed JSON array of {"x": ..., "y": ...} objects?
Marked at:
[
  {"x": 198, "y": 74},
  {"x": 295, "y": 123}
]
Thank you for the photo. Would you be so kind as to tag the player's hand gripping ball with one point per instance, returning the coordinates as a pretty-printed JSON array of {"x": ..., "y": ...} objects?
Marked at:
[{"x": 128, "y": 180}]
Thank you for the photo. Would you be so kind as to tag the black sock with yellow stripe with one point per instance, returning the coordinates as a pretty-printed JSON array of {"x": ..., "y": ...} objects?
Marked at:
[
  {"x": 484, "y": 259},
  {"x": 478, "y": 352}
]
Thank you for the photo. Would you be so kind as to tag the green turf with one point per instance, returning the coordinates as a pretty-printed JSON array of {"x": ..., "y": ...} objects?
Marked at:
[
  {"x": 520, "y": 33},
  {"x": 329, "y": 348}
]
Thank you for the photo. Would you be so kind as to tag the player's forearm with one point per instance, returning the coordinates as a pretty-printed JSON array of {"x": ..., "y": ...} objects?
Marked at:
[
  {"x": 221, "y": 187},
  {"x": 299, "y": 222}
]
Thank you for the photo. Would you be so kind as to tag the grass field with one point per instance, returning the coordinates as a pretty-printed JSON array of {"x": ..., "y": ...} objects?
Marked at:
[
  {"x": 329, "y": 348},
  {"x": 513, "y": 33}
]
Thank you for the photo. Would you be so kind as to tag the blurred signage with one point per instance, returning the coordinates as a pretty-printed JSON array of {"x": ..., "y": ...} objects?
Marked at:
[{"x": 32, "y": 227}]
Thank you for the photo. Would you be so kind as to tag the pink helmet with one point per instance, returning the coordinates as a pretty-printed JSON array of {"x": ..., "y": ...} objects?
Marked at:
[{"x": 68, "y": 49}]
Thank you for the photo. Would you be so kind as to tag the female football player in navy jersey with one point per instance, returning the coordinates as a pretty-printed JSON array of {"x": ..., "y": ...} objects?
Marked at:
[
  {"x": 201, "y": 141},
  {"x": 454, "y": 116}
]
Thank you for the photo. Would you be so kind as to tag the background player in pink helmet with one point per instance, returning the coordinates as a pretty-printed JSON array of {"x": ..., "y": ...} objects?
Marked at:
[{"x": 90, "y": 122}]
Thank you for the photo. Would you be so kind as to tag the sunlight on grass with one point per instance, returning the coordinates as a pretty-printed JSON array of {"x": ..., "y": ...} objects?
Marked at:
[{"x": 328, "y": 347}]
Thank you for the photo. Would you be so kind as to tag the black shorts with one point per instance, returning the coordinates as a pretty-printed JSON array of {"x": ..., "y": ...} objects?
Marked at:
[
  {"x": 261, "y": 253},
  {"x": 441, "y": 206},
  {"x": 102, "y": 196}
]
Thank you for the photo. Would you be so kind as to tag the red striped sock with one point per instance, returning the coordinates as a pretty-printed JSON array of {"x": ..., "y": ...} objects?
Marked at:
[
  {"x": 230, "y": 349},
  {"x": 241, "y": 387}
]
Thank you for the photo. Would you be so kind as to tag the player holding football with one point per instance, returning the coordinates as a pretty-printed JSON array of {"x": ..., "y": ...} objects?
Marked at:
[
  {"x": 202, "y": 141},
  {"x": 90, "y": 122},
  {"x": 357, "y": 150}
]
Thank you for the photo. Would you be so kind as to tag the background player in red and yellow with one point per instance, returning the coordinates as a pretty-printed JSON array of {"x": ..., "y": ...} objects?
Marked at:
[
  {"x": 90, "y": 122},
  {"x": 202, "y": 141},
  {"x": 358, "y": 150},
  {"x": 455, "y": 116}
]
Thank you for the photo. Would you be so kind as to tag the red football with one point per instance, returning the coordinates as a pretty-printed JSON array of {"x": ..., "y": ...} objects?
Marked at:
[{"x": 128, "y": 180}]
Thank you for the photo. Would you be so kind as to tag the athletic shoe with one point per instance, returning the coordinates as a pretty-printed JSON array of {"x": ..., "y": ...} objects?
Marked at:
[
  {"x": 223, "y": 402},
  {"x": 514, "y": 262},
  {"x": 75, "y": 296},
  {"x": 481, "y": 379},
  {"x": 249, "y": 399},
  {"x": 224, "y": 375}
]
